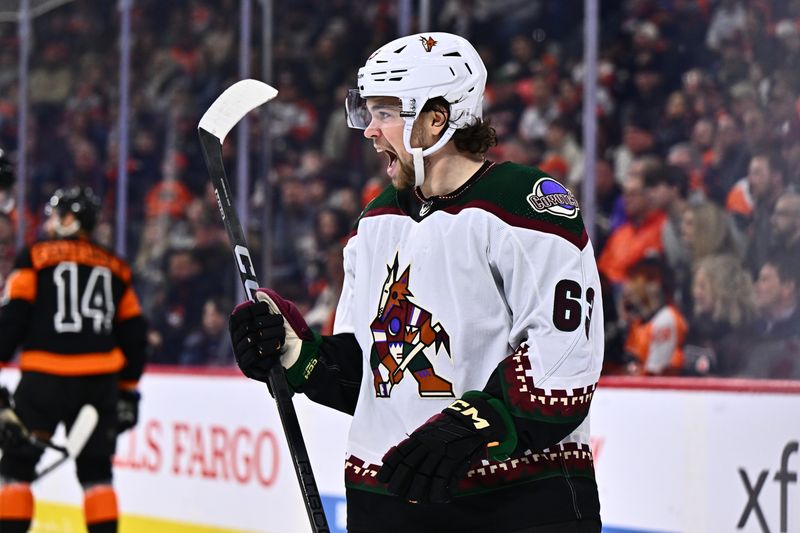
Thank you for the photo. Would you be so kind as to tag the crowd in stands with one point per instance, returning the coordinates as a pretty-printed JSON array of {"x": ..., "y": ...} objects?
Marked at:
[{"x": 698, "y": 172}]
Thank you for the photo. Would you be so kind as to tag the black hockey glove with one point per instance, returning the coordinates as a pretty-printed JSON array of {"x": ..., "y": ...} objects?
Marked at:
[
  {"x": 127, "y": 409},
  {"x": 257, "y": 336},
  {"x": 272, "y": 331},
  {"x": 12, "y": 432},
  {"x": 427, "y": 466}
]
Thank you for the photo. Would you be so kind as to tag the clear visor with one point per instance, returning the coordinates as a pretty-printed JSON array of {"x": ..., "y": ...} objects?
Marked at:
[{"x": 385, "y": 111}]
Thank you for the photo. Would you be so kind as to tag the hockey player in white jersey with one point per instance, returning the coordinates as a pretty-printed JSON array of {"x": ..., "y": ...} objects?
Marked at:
[{"x": 468, "y": 339}]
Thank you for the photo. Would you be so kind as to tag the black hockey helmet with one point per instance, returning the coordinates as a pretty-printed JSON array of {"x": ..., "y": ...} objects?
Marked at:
[
  {"x": 80, "y": 201},
  {"x": 6, "y": 171}
]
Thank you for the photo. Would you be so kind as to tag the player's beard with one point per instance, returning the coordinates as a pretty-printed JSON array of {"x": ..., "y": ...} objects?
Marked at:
[{"x": 405, "y": 177}]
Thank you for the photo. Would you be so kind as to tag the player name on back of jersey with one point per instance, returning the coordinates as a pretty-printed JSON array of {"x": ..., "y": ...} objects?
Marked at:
[{"x": 49, "y": 253}]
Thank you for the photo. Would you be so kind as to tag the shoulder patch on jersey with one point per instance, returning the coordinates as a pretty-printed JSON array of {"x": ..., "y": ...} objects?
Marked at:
[
  {"x": 526, "y": 197},
  {"x": 549, "y": 196}
]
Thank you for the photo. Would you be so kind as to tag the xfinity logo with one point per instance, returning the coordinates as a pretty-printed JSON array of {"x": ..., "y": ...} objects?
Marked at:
[{"x": 753, "y": 488}]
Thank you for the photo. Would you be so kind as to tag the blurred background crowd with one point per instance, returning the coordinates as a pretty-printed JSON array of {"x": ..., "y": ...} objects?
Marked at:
[{"x": 697, "y": 177}]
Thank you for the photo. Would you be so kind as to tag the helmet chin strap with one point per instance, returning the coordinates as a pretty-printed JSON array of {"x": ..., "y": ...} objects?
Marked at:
[
  {"x": 419, "y": 154},
  {"x": 419, "y": 167}
]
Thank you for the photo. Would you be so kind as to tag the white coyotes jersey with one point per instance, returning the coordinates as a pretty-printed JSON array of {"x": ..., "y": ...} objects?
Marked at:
[{"x": 500, "y": 270}]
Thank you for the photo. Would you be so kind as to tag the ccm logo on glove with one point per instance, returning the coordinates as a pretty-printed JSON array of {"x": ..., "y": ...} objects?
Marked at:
[
  {"x": 462, "y": 407},
  {"x": 428, "y": 465}
]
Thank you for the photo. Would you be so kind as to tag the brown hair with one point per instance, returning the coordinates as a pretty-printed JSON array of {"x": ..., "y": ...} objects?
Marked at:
[{"x": 476, "y": 138}]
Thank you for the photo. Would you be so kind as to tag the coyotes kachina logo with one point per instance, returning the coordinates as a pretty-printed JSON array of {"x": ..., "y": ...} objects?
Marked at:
[
  {"x": 428, "y": 43},
  {"x": 401, "y": 332}
]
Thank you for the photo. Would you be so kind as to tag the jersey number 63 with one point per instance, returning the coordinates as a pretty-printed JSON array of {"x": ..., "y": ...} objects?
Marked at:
[{"x": 567, "y": 315}]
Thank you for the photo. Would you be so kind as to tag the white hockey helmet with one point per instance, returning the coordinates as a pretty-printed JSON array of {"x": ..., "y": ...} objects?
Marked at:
[{"x": 418, "y": 68}]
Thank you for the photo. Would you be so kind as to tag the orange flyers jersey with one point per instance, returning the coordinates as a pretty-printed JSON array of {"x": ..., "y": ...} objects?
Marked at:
[
  {"x": 65, "y": 303},
  {"x": 657, "y": 342},
  {"x": 629, "y": 243},
  {"x": 740, "y": 200}
]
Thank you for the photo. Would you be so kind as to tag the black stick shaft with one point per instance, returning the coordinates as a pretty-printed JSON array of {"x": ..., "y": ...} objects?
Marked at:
[{"x": 212, "y": 150}]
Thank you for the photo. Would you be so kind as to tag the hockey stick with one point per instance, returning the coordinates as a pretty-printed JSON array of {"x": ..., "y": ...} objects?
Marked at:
[
  {"x": 9, "y": 418},
  {"x": 78, "y": 436},
  {"x": 226, "y": 111}
]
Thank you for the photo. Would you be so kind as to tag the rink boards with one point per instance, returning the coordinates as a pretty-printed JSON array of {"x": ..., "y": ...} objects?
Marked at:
[{"x": 685, "y": 456}]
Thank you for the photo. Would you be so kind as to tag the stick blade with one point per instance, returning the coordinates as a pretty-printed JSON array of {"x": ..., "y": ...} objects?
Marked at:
[
  {"x": 81, "y": 430},
  {"x": 233, "y": 104}
]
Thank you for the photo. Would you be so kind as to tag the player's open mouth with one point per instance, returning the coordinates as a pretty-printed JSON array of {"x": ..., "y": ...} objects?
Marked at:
[{"x": 391, "y": 168}]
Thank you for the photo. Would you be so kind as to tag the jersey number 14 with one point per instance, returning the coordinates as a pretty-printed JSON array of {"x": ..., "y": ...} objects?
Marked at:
[{"x": 94, "y": 302}]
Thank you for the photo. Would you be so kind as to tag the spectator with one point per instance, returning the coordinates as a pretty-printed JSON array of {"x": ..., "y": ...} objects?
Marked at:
[
  {"x": 643, "y": 106},
  {"x": 685, "y": 156},
  {"x": 372, "y": 188},
  {"x": 51, "y": 81},
  {"x": 523, "y": 58},
  {"x": 774, "y": 352},
  {"x": 728, "y": 160},
  {"x": 293, "y": 230},
  {"x": 609, "y": 195},
  {"x": 666, "y": 188},
  {"x": 766, "y": 180},
  {"x": 740, "y": 203},
  {"x": 731, "y": 67},
  {"x": 727, "y": 21},
  {"x": 294, "y": 118},
  {"x": 555, "y": 167},
  {"x": 210, "y": 345},
  {"x": 786, "y": 224},
  {"x": 675, "y": 125},
  {"x": 8, "y": 198},
  {"x": 560, "y": 142},
  {"x": 181, "y": 304},
  {"x": 723, "y": 311},
  {"x": 638, "y": 238},
  {"x": 790, "y": 150},
  {"x": 515, "y": 149},
  {"x": 706, "y": 229},
  {"x": 330, "y": 228},
  {"x": 637, "y": 141},
  {"x": 656, "y": 329},
  {"x": 539, "y": 114},
  {"x": 346, "y": 200},
  {"x": 509, "y": 113},
  {"x": 323, "y": 311},
  {"x": 776, "y": 297},
  {"x": 757, "y": 134},
  {"x": 167, "y": 198},
  {"x": 702, "y": 140},
  {"x": 788, "y": 38}
]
